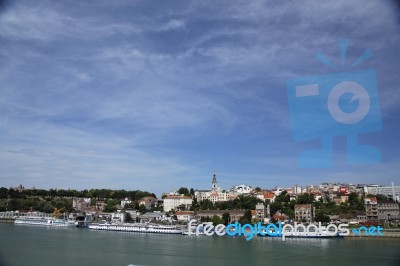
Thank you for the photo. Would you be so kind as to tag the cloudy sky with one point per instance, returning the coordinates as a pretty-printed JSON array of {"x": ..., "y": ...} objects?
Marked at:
[{"x": 155, "y": 95}]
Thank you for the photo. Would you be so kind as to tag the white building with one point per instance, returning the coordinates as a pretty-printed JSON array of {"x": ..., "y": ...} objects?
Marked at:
[
  {"x": 173, "y": 202},
  {"x": 392, "y": 191},
  {"x": 296, "y": 190},
  {"x": 241, "y": 189},
  {"x": 277, "y": 191},
  {"x": 184, "y": 216},
  {"x": 215, "y": 194},
  {"x": 118, "y": 217},
  {"x": 125, "y": 201}
]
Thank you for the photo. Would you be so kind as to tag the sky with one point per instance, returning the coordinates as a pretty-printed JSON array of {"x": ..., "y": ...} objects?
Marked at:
[{"x": 156, "y": 95}]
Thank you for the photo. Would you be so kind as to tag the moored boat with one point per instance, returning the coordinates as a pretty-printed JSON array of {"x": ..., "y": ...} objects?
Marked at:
[
  {"x": 137, "y": 227},
  {"x": 43, "y": 221}
]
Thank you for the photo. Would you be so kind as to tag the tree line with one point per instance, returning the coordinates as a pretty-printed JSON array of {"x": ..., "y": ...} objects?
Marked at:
[
  {"x": 48, "y": 200},
  {"x": 91, "y": 193}
]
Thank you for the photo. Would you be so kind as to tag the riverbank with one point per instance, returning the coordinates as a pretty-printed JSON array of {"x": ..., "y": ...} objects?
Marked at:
[{"x": 387, "y": 233}]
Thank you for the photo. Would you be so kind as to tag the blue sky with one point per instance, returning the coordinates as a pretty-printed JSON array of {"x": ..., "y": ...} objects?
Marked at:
[{"x": 155, "y": 95}]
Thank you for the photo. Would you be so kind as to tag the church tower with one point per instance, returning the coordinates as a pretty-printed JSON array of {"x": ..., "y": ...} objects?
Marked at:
[{"x": 214, "y": 183}]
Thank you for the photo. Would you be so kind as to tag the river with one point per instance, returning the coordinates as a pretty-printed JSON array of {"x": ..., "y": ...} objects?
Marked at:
[{"x": 39, "y": 245}]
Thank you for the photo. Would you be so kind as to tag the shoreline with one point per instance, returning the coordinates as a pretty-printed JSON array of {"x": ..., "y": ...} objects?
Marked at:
[{"x": 386, "y": 233}]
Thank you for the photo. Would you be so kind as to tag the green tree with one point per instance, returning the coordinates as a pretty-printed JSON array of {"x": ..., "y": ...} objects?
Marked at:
[
  {"x": 382, "y": 197},
  {"x": 246, "y": 218},
  {"x": 283, "y": 197},
  {"x": 305, "y": 198},
  {"x": 321, "y": 217},
  {"x": 47, "y": 208},
  {"x": 110, "y": 208},
  {"x": 226, "y": 217},
  {"x": 207, "y": 205},
  {"x": 93, "y": 202},
  {"x": 128, "y": 217},
  {"x": 3, "y": 193},
  {"x": 184, "y": 191},
  {"x": 142, "y": 208},
  {"x": 217, "y": 220},
  {"x": 275, "y": 206},
  {"x": 356, "y": 202},
  {"x": 14, "y": 205},
  {"x": 195, "y": 205}
]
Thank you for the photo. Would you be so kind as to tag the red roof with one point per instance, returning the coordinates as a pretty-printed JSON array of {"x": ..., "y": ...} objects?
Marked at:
[
  {"x": 149, "y": 198},
  {"x": 372, "y": 199},
  {"x": 269, "y": 195}
]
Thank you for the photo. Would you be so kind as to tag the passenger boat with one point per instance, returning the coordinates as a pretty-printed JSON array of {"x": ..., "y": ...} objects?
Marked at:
[
  {"x": 322, "y": 234},
  {"x": 137, "y": 227},
  {"x": 43, "y": 221}
]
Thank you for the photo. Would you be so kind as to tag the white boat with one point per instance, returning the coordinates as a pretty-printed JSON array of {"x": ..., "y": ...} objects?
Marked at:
[
  {"x": 137, "y": 227},
  {"x": 322, "y": 234},
  {"x": 43, "y": 221}
]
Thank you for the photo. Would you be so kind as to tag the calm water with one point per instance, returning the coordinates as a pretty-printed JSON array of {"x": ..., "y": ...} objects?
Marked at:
[{"x": 35, "y": 245}]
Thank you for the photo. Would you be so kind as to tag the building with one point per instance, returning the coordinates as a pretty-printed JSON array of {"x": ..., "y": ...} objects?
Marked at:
[
  {"x": 388, "y": 210},
  {"x": 215, "y": 194},
  {"x": 234, "y": 215},
  {"x": 171, "y": 193},
  {"x": 19, "y": 188},
  {"x": 133, "y": 213},
  {"x": 371, "y": 208},
  {"x": 296, "y": 190},
  {"x": 339, "y": 198},
  {"x": 100, "y": 205},
  {"x": 352, "y": 218},
  {"x": 278, "y": 190},
  {"x": 150, "y": 217},
  {"x": 262, "y": 211},
  {"x": 317, "y": 195},
  {"x": 241, "y": 189},
  {"x": 303, "y": 213},
  {"x": 173, "y": 202},
  {"x": 125, "y": 201},
  {"x": 81, "y": 204},
  {"x": 391, "y": 191},
  {"x": 118, "y": 217},
  {"x": 148, "y": 202},
  {"x": 266, "y": 196},
  {"x": 279, "y": 217},
  {"x": 184, "y": 216}
]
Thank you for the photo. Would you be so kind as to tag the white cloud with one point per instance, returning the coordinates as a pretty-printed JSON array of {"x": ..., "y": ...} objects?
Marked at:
[
  {"x": 108, "y": 90},
  {"x": 172, "y": 25}
]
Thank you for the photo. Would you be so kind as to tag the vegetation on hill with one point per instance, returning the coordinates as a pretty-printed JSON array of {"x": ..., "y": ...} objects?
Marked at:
[{"x": 47, "y": 200}]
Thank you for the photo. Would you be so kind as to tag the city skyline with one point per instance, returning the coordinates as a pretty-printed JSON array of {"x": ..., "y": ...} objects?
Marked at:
[
  {"x": 174, "y": 189},
  {"x": 127, "y": 95}
]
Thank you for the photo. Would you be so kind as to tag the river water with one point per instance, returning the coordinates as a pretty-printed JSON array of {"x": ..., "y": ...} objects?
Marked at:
[{"x": 38, "y": 245}]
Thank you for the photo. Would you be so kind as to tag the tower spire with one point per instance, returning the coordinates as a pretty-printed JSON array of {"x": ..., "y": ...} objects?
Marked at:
[{"x": 214, "y": 183}]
